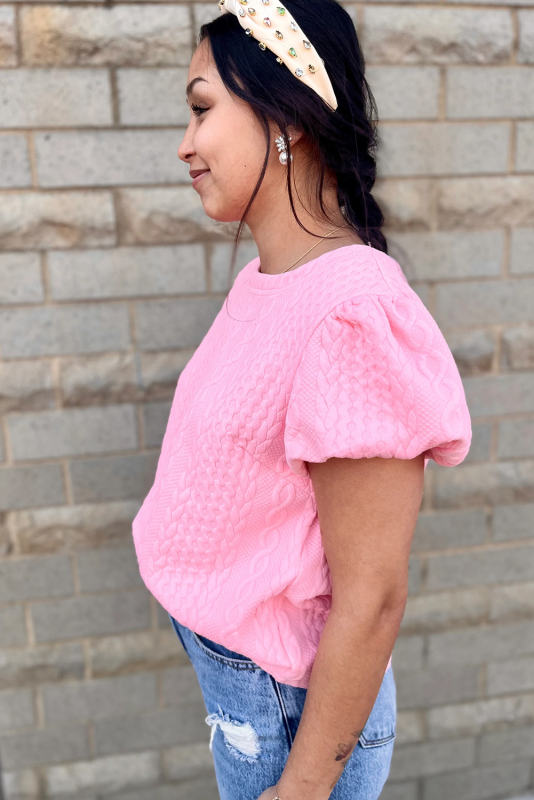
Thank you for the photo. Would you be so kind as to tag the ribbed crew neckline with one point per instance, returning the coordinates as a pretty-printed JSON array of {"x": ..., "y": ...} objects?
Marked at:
[{"x": 264, "y": 281}]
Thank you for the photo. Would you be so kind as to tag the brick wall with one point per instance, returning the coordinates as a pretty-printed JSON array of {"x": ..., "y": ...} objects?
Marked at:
[{"x": 110, "y": 274}]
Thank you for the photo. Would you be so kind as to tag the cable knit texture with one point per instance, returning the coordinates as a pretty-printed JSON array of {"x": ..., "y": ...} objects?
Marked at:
[{"x": 338, "y": 357}]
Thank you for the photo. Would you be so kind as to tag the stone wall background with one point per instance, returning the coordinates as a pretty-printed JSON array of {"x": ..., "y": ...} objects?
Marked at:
[{"x": 110, "y": 274}]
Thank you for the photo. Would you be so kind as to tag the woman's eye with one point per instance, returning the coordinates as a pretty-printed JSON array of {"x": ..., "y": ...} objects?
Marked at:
[{"x": 198, "y": 110}]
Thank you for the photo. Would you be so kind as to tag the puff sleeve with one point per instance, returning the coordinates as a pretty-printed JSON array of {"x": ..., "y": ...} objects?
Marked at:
[{"x": 377, "y": 378}]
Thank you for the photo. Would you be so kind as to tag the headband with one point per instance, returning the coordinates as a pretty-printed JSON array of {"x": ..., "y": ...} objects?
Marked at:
[{"x": 283, "y": 36}]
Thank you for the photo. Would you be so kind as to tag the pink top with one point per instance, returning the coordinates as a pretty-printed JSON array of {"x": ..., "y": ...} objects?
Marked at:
[{"x": 338, "y": 357}]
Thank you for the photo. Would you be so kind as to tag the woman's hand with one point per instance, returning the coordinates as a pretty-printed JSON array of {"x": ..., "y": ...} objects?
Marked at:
[{"x": 269, "y": 793}]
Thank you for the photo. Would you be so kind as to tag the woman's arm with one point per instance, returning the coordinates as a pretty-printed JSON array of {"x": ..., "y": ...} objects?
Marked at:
[{"x": 367, "y": 512}]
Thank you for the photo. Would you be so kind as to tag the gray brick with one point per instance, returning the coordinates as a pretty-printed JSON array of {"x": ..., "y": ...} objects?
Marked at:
[
  {"x": 477, "y": 716},
  {"x": 78, "y": 701},
  {"x": 405, "y": 92},
  {"x": 516, "y": 438},
  {"x": 410, "y": 727},
  {"x": 517, "y": 351},
  {"x": 130, "y": 35},
  {"x": 428, "y": 758},
  {"x": 16, "y": 709},
  {"x": 513, "y": 521},
  {"x": 108, "y": 378},
  {"x": 126, "y": 272},
  {"x": 94, "y": 615},
  {"x": 155, "y": 419},
  {"x": 72, "y": 527},
  {"x": 156, "y": 729},
  {"x": 437, "y": 35},
  {"x": 37, "y": 219},
  {"x": 20, "y": 785},
  {"x": 514, "y": 675},
  {"x": 14, "y": 161},
  {"x": 160, "y": 372},
  {"x": 163, "y": 215},
  {"x": 162, "y": 619},
  {"x": 34, "y": 97},
  {"x": 108, "y": 568},
  {"x": 500, "y": 393},
  {"x": 474, "y": 351},
  {"x": 108, "y": 158},
  {"x": 8, "y": 52},
  {"x": 502, "y": 301},
  {"x": 525, "y": 147},
  {"x": 12, "y": 626},
  {"x": 482, "y": 203},
  {"x": 172, "y": 323},
  {"x": 115, "y": 655},
  {"x": 430, "y": 612},
  {"x": 187, "y": 761},
  {"x": 507, "y": 745},
  {"x": 58, "y": 330},
  {"x": 144, "y": 96},
  {"x": 76, "y": 431},
  {"x": 498, "y": 92},
  {"x": 408, "y": 202},
  {"x": 179, "y": 686},
  {"x": 507, "y": 564},
  {"x": 408, "y": 651},
  {"x": 483, "y": 643},
  {"x": 414, "y": 574},
  {"x": 406, "y": 790},
  {"x": 522, "y": 246},
  {"x": 113, "y": 478},
  {"x": 46, "y": 481},
  {"x": 478, "y": 783},
  {"x": 437, "y": 148},
  {"x": 40, "y": 663},
  {"x": 219, "y": 259},
  {"x": 20, "y": 275},
  {"x": 103, "y": 775},
  {"x": 438, "y": 530},
  {"x": 27, "y": 577},
  {"x": 512, "y": 602},
  {"x": 174, "y": 792},
  {"x": 479, "y": 484},
  {"x": 445, "y": 255},
  {"x": 26, "y": 385},
  {"x": 428, "y": 687},
  {"x": 525, "y": 51},
  {"x": 67, "y": 743}
]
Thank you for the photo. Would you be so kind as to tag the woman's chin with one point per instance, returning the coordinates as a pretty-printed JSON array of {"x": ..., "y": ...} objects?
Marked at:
[{"x": 218, "y": 215}]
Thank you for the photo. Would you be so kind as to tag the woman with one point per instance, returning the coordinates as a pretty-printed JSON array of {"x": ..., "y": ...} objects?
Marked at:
[{"x": 277, "y": 531}]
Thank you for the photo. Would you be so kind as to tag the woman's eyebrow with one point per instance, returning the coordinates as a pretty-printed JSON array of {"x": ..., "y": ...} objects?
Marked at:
[{"x": 191, "y": 84}]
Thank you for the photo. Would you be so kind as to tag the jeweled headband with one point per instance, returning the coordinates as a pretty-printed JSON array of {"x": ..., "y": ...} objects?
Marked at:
[{"x": 276, "y": 29}]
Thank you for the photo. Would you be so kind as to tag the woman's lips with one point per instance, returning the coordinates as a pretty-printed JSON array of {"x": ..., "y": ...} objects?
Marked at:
[{"x": 199, "y": 178}]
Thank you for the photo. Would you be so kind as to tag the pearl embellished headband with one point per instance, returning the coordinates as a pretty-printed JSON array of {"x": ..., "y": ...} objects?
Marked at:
[{"x": 283, "y": 36}]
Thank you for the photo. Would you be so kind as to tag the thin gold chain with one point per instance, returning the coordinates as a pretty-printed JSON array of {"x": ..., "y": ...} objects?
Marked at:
[{"x": 311, "y": 248}]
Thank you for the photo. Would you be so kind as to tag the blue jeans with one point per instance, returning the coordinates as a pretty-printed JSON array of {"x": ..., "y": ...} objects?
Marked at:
[{"x": 254, "y": 720}]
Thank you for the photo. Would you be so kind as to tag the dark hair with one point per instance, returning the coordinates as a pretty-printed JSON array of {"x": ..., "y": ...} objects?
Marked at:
[{"x": 344, "y": 140}]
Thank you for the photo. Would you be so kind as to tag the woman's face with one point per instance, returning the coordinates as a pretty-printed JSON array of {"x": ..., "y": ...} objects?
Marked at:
[{"x": 224, "y": 137}]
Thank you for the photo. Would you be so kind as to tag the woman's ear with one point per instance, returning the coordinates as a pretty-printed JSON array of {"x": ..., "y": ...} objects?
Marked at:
[{"x": 294, "y": 133}]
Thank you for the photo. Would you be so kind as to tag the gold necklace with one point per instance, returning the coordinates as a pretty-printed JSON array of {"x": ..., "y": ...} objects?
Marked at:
[
  {"x": 311, "y": 248},
  {"x": 307, "y": 251}
]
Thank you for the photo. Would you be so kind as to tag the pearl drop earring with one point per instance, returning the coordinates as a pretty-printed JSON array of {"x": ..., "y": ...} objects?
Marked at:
[{"x": 281, "y": 145}]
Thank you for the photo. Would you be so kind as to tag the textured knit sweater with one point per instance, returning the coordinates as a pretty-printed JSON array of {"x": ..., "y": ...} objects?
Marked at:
[{"x": 338, "y": 357}]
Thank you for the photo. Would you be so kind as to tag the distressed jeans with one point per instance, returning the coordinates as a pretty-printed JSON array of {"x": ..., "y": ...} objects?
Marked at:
[{"x": 254, "y": 719}]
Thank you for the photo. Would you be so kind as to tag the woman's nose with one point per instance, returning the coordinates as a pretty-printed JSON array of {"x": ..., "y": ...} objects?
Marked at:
[{"x": 185, "y": 150}]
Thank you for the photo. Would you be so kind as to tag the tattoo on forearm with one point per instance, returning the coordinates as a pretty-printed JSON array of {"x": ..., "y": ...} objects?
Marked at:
[{"x": 344, "y": 751}]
